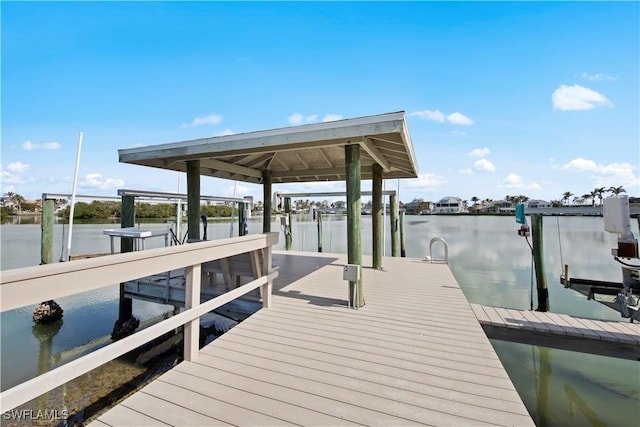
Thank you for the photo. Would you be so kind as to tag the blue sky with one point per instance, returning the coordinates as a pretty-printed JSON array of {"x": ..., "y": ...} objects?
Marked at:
[{"x": 501, "y": 98}]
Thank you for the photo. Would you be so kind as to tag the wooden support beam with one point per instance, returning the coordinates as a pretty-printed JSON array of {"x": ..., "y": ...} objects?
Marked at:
[
  {"x": 127, "y": 219},
  {"x": 287, "y": 228},
  {"x": 193, "y": 199},
  {"x": 403, "y": 247},
  {"x": 231, "y": 168},
  {"x": 375, "y": 154},
  {"x": 326, "y": 157},
  {"x": 354, "y": 223},
  {"x": 376, "y": 217},
  {"x": 242, "y": 218},
  {"x": 538, "y": 261},
  {"x": 302, "y": 173},
  {"x": 301, "y": 159},
  {"x": 266, "y": 200},
  {"x": 46, "y": 233},
  {"x": 395, "y": 228},
  {"x": 319, "y": 219}
]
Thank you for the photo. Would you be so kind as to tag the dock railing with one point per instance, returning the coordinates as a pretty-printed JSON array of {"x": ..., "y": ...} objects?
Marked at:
[{"x": 32, "y": 285}]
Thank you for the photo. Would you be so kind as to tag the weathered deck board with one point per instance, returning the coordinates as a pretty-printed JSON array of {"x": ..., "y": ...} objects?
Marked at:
[
  {"x": 606, "y": 338},
  {"x": 414, "y": 355},
  {"x": 562, "y": 324}
]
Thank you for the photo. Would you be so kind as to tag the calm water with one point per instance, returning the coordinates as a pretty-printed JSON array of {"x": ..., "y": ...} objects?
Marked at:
[{"x": 489, "y": 260}]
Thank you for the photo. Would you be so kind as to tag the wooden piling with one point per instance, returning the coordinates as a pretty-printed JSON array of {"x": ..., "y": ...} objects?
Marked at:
[
  {"x": 319, "y": 220},
  {"x": 127, "y": 219},
  {"x": 266, "y": 201},
  {"x": 46, "y": 231},
  {"x": 395, "y": 229},
  {"x": 354, "y": 221},
  {"x": 376, "y": 217},
  {"x": 193, "y": 200},
  {"x": 403, "y": 248},
  {"x": 538, "y": 260},
  {"x": 287, "y": 227},
  {"x": 242, "y": 219}
]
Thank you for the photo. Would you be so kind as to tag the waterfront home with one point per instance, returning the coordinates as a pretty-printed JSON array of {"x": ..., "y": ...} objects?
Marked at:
[
  {"x": 450, "y": 205},
  {"x": 538, "y": 204},
  {"x": 499, "y": 207}
]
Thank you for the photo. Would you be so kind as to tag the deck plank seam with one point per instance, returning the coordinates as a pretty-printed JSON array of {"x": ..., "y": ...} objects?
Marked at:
[
  {"x": 228, "y": 402},
  {"x": 324, "y": 383},
  {"x": 306, "y": 366},
  {"x": 301, "y": 390},
  {"x": 447, "y": 368},
  {"x": 264, "y": 396},
  {"x": 389, "y": 344},
  {"x": 397, "y": 354},
  {"x": 363, "y": 364}
]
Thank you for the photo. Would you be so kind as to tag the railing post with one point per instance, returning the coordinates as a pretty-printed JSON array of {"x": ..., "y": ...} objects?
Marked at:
[
  {"x": 192, "y": 275},
  {"x": 267, "y": 288}
]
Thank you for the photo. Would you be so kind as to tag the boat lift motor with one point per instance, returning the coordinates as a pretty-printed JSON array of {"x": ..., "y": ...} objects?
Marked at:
[
  {"x": 522, "y": 219},
  {"x": 617, "y": 219}
]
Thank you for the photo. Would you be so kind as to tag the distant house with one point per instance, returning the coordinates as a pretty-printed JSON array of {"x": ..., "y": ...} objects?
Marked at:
[
  {"x": 538, "y": 204},
  {"x": 450, "y": 205},
  {"x": 417, "y": 207},
  {"x": 499, "y": 207}
]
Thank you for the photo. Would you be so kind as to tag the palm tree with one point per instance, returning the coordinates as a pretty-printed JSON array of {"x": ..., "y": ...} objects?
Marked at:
[
  {"x": 588, "y": 196},
  {"x": 16, "y": 199},
  {"x": 598, "y": 192},
  {"x": 565, "y": 196},
  {"x": 475, "y": 200},
  {"x": 616, "y": 190}
]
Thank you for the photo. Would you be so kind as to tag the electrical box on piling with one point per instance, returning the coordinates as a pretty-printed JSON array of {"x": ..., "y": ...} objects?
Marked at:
[{"x": 351, "y": 272}]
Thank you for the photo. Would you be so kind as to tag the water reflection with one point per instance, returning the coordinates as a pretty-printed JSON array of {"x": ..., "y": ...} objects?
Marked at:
[
  {"x": 490, "y": 261},
  {"x": 566, "y": 388}
]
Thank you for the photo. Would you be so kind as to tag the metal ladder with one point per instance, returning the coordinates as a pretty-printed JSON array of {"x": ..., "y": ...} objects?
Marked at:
[{"x": 429, "y": 257}]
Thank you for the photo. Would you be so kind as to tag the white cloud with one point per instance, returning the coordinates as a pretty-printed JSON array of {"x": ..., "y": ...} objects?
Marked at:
[
  {"x": 458, "y": 133},
  {"x": 30, "y": 146},
  {"x": 17, "y": 167},
  {"x": 211, "y": 119},
  {"x": 514, "y": 181},
  {"x": 51, "y": 146},
  {"x": 97, "y": 181},
  {"x": 479, "y": 152},
  {"x": 577, "y": 98},
  {"x": 13, "y": 175},
  {"x": 598, "y": 76},
  {"x": 613, "y": 174},
  {"x": 581, "y": 164},
  {"x": 484, "y": 165},
  {"x": 466, "y": 171},
  {"x": 226, "y": 132},
  {"x": 331, "y": 117},
  {"x": 298, "y": 119},
  {"x": 428, "y": 181},
  {"x": 459, "y": 119},
  {"x": 436, "y": 115}
]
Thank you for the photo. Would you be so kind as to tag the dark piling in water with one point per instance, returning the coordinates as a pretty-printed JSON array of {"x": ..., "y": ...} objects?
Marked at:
[{"x": 538, "y": 260}]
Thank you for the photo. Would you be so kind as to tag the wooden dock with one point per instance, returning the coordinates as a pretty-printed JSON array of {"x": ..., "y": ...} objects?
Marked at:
[
  {"x": 414, "y": 355},
  {"x": 609, "y": 338}
]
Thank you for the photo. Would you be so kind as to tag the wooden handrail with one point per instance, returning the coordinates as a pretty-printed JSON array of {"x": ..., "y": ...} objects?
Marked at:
[
  {"x": 31, "y": 285},
  {"x": 187, "y": 256}
]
